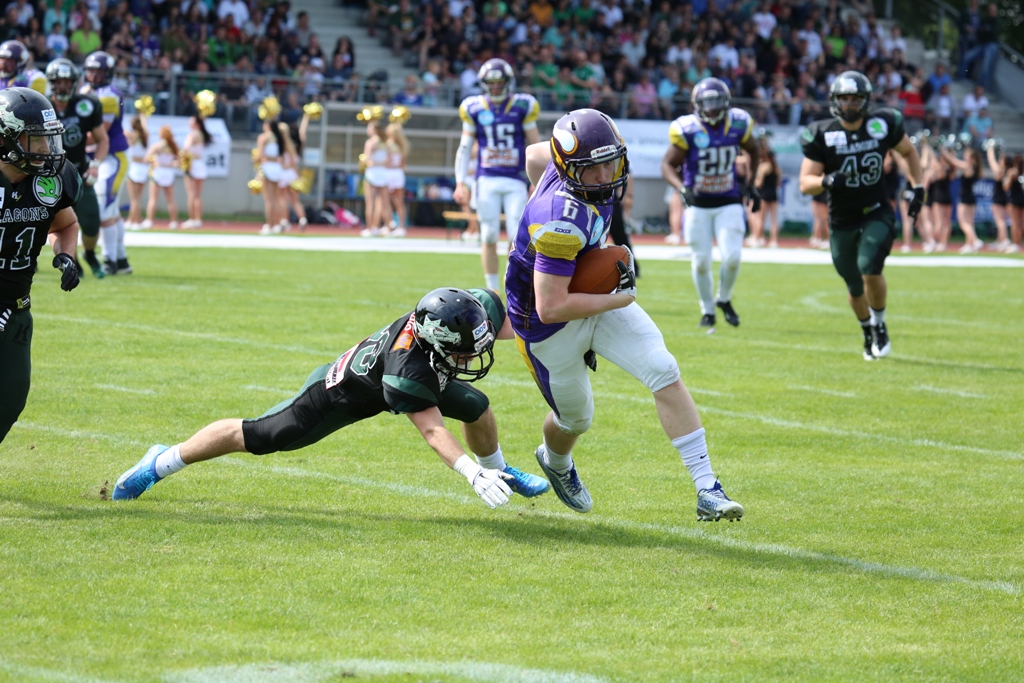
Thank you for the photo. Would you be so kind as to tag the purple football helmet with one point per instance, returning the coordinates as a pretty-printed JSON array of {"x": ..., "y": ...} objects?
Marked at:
[
  {"x": 584, "y": 139},
  {"x": 99, "y": 68},
  {"x": 496, "y": 79},
  {"x": 711, "y": 100},
  {"x": 13, "y": 58}
]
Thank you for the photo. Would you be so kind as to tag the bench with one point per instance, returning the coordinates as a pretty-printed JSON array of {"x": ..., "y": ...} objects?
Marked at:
[{"x": 451, "y": 217}]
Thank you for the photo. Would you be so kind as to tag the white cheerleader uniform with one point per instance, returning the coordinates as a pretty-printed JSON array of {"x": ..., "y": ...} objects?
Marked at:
[
  {"x": 289, "y": 174},
  {"x": 377, "y": 175},
  {"x": 163, "y": 170},
  {"x": 197, "y": 163},
  {"x": 138, "y": 169},
  {"x": 396, "y": 174},
  {"x": 272, "y": 166}
]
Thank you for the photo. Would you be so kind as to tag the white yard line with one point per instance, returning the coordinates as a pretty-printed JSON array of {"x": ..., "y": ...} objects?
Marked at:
[
  {"x": 954, "y": 392},
  {"x": 438, "y": 246},
  {"x": 819, "y": 390},
  {"x": 126, "y": 390}
]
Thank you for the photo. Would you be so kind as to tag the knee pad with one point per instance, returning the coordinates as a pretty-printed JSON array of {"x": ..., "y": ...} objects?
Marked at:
[
  {"x": 489, "y": 231},
  {"x": 732, "y": 261},
  {"x": 702, "y": 264},
  {"x": 573, "y": 425},
  {"x": 661, "y": 369}
]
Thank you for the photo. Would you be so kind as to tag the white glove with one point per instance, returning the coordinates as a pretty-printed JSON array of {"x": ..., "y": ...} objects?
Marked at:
[{"x": 489, "y": 484}]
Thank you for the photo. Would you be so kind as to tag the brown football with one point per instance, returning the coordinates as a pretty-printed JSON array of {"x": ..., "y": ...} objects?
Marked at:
[{"x": 596, "y": 272}]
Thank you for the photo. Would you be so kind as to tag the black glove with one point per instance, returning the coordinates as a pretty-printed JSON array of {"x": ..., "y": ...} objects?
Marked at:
[
  {"x": 834, "y": 181},
  {"x": 687, "y": 194},
  {"x": 753, "y": 198},
  {"x": 914, "y": 196},
  {"x": 627, "y": 280},
  {"x": 590, "y": 358},
  {"x": 68, "y": 271}
]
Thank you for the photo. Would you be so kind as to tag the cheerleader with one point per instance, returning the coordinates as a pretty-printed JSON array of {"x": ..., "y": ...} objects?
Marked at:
[
  {"x": 1012, "y": 183},
  {"x": 939, "y": 197},
  {"x": 138, "y": 172},
  {"x": 195, "y": 148},
  {"x": 289, "y": 174},
  {"x": 269, "y": 146},
  {"x": 767, "y": 181},
  {"x": 970, "y": 171},
  {"x": 398, "y": 152},
  {"x": 999, "y": 198},
  {"x": 375, "y": 189},
  {"x": 923, "y": 223},
  {"x": 163, "y": 156}
]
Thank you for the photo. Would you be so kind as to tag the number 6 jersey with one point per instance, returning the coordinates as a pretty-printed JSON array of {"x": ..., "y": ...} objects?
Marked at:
[
  {"x": 710, "y": 164},
  {"x": 498, "y": 128},
  {"x": 859, "y": 154}
]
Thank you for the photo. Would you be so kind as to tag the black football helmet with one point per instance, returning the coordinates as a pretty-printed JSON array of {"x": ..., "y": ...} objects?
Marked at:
[
  {"x": 850, "y": 83},
  {"x": 585, "y": 138},
  {"x": 62, "y": 75},
  {"x": 31, "y": 135},
  {"x": 99, "y": 68},
  {"x": 14, "y": 57},
  {"x": 452, "y": 325}
]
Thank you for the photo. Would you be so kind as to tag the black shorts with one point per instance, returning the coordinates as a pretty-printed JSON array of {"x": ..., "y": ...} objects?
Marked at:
[
  {"x": 862, "y": 250},
  {"x": 998, "y": 194},
  {"x": 821, "y": 198},
  {"x": 938, "y": 193},
  {"x": 770, "y": 194}
]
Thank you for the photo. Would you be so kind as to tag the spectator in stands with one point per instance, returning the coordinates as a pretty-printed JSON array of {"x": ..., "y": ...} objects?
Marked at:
[
  {"x": 401, "y": 24},
  {"x": 56, "y": 42},
  {"x": 935, "y": 82},
  {"x": 979, "y": 125},
  {"x": 55, "y": 14},
  {"x": 942, "y": 110},
  {"x": 83, "y": 41},
  {"x": 348, "y": 54},
  {"x": 303, "y": 30},
  {"x": 680, "y": 53},
  {"x": 668, "y": 88},
  {"x": 255, "y": 25},
  {"x": 889, "y": 81},
  {"x": 238, "y": 9},
  {"x": 410, "y": 95},
  {"x": 970, "y": 19},
  {"x": 725, "y": 55},
  {"x": 25, "y": 12},
  {"x": 974, "y": 101},
  {"x": 913, "y": 106},
  {"x": 611, "y": 16},
  {"x": 634, "y": 50},
  {"x": 147, "y": 48},
  {"x": 894, "y": 42},
  {"x": 764, "y": 20},
  {"x": 987, "y": 47},
  {"x": 643, "y": 102}
]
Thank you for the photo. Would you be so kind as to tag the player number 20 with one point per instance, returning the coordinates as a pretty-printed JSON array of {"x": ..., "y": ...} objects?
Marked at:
[
  {"x": 869, "y": 172},
  {"x": 716, "y": 160}
]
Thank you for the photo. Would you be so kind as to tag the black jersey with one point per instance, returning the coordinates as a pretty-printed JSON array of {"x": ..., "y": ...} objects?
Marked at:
[
  {"x": 81, "y": 115},
  {"x": 27, "y": 209},
  {"x": 860, "y": 155},
  {"x": 390, "y": 372}
]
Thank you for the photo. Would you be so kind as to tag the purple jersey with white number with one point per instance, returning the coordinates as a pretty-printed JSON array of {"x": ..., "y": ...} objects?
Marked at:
[
  {"x": 555, "y": 229},
  {"x": 499, "y": 130},
  {"x": 710, "y": 164}
]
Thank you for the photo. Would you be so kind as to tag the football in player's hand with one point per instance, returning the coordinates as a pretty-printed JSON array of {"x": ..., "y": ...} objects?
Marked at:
[{"x": 596, "y": 272}]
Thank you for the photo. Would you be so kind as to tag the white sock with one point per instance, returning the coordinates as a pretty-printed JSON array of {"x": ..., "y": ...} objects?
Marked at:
[
  {"x": 121, "y": 253},
  {"x": 877, "y": 317},
  {"x": 557, "y": 461},
  {"x": 169, "y": 462},
  {"x": 492, "y": 280},
  {"x": 693, "y": 448},
  {"x": 108, "y": 235},
  {"x": 494, "y": 461}
]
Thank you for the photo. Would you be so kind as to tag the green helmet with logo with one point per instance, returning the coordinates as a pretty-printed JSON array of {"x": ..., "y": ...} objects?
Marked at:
[{"x": 24, "y": 112}]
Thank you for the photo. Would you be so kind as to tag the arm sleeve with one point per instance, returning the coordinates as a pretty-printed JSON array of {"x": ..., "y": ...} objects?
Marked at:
[
  {"x": 468, "y": 124},
  {"x": 492, "y": 304},
  {"x": 462, "y": 157},
  {"x": 406, "y": 395},
  {"x": 530, "y": 121}
]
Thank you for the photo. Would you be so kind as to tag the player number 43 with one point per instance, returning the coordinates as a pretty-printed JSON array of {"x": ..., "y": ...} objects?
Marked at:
[{"x": 868, "y": 173}]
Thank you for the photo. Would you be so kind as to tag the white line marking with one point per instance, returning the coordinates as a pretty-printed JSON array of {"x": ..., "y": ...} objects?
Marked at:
[
  {"x": 315, "y": 672},
  {"x": 954, "y": 392},
  {"x": 79, "y": 434},
  {"x": 37, "y": 673},
  {"x": 819, "y": 390},
  {"x": 268, "y": 390},
  {"x": 127, "y": 390},
  {"x": 191, "y": 335},
  {"x": 687, "y": 532},
  {"x": 437, "y": 246}
]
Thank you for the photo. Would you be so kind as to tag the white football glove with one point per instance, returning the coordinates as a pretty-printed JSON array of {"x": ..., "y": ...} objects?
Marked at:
[{"x": 489, "y": 484}]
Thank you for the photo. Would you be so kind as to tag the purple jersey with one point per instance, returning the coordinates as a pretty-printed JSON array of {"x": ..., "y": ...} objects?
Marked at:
[
  {"x": 711, "y": 151},
  {"x": 113, "y": 111},
  {"x": 556, "y": 227},
  {"x": 499, "y": 130}
]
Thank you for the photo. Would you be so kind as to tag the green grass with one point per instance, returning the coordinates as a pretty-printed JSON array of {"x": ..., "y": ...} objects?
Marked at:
[{"x": 882, "y": 539}]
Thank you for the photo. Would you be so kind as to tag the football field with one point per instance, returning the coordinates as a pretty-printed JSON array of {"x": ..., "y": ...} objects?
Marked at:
[{"x": 884, "y": 501}]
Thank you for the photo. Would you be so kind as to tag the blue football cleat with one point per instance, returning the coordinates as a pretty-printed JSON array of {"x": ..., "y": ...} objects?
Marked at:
[
  {"x": 568, "y": 486},
  {"x": 713, "y": 505},
  {"x": 525, "y": 484},
  {"x": 140, "y": 478}
]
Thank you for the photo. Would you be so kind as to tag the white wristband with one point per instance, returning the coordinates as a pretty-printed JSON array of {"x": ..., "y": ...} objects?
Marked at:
[
  {"x": 467, "y": 467},
  {"x": 95, "y": 163}
]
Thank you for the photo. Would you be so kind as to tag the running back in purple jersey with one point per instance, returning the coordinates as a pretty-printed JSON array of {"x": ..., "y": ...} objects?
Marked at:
[
  {"x": 113, "y": 113},
  {"x": 498, "y": 128},
  {"x": 711, "y": 151},
  {"x": 555, "y": 229}
]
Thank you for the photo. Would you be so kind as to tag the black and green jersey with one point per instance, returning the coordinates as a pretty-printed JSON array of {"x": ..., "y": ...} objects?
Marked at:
[
  {"x": 860, "y": 155},
  {"x": 81, "y": 115},
  {"x": 389, "y": 370},
  {"x": 27, "y": 210}
]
